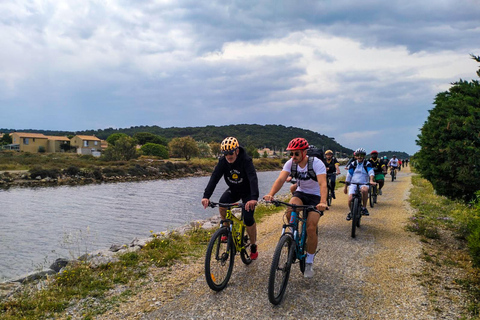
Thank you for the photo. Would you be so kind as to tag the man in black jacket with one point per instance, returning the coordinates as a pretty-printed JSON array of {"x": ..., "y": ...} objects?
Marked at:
[{"x": 239, "y": 173}]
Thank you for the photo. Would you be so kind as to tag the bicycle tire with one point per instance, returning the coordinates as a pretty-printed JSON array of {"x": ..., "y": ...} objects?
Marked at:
[
  {"x": 375, "y": 194},
  {"x": 280, "y": 269},
  {"x": 244, "y": 254},
  {"x": 219, "y": 260},
  {"x": 329, "y": 196},
  {"x": 370, "y": 196},
  {"x": 392, "y": 173},
  {"x": 355, "y": 211}
]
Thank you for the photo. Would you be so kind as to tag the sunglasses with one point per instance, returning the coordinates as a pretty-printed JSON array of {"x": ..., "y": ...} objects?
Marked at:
[
  {"x": 229, "y": 153},
  {"x": 296, "y": 154}
]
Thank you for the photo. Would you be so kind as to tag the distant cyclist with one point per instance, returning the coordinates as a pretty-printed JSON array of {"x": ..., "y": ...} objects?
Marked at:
[
  {"x": 379, "y": 169},
  {"x": 359, "y": 171},
  {"x": 237, "y": 169},
  {"x": 311, "y": 176},
  {"x": 333, "y": 169},
  {"x": 393, "y": 163}
]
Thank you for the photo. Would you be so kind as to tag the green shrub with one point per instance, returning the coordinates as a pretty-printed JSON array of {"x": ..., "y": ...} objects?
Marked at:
[
  {"x": 44, "y": 173},
  {"x": 41, "y": 149},
  {"x": 72, "y": 171},
  {"x": 153, "y": 149},
  {"x": 137, "y": 170},
  {"x": 111, "y": 172}
]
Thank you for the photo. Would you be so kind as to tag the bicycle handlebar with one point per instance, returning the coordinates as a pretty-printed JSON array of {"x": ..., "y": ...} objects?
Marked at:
[
  {"x": 358, "y": 184},
  {"x": 212, "y": 204},
  {"x": 277, "y": 203}
]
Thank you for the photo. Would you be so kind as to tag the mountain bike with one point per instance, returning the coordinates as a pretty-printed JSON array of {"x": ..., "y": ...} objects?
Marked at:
[
  {"x": 224, "y": 245},
  {"x": 393, "y": 173},
  {"x": 290, "y": 248},
  {"x": 356, "y": 210}
]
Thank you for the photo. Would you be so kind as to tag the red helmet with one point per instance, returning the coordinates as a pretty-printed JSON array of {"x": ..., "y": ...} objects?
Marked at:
[
  {"x": 374, "y": 152},
  {"x": 297, "y": 144}
]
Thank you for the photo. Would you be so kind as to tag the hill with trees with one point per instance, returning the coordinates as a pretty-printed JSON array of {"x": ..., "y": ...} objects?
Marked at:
[{"x": 275, "y": 137}]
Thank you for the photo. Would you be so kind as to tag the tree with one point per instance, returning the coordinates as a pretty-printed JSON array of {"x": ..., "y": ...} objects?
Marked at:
[
  {"x": 450, "y": 141},
  {"x": 252, "y": 152},
  {"x": 215, "y": 148},
  {"x": 112, "y": 139},
  {"x": 184, "y": 147},
  {"x": 153, "y": 149},
  {"x": 146, "y": 137},
  {"x": 124, "y": 148},
  {"x": 204, "y": 150},
  {"x": 6, "y": 139},
  {"x": 265, "y": 154}
]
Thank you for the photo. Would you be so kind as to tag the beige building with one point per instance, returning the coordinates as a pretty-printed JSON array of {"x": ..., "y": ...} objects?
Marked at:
[
  {"x": 55, "y": 143},
  {"x": 29, "y": 142},
  {"x": 86, "y": 144}
]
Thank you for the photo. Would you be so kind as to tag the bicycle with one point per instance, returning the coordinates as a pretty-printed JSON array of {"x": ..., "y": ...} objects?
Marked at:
[
  {"x": 393, "y": 173},
  {"x": 220, "y": 255},
  {"x": 290, "y": 247},
  {"x": 356, "y": 210}
]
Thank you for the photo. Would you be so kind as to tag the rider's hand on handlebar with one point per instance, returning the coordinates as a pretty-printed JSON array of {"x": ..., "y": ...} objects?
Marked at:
[
  {"x": 321, "y": 206},
  {"x": 250, "y": 205},
  {"x": 267, "y": 197},
  {"x": 205, "y": 203}
]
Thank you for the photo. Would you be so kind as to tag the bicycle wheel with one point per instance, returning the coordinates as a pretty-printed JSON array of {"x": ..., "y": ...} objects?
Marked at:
[
  {"x": 355, "y": 215},
  {"x": 370, "y": 196},
  {"x": 280, "y": 269},
  {"x": 392, "y": 173},
  {"x": 329, "y": 196},
  {"x": 245, "y": 243},
  {"x": 375, "y": 193},
  {"x": 219, "y": 260}
]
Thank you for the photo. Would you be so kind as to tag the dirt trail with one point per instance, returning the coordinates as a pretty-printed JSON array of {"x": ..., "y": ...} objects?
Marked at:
[{"x": 369, "y": 277}]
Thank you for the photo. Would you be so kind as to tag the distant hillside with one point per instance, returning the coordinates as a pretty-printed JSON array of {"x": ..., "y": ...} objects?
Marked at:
[
  {"x": 275, "y": 137},
  {"x": 389, "y": 154}
]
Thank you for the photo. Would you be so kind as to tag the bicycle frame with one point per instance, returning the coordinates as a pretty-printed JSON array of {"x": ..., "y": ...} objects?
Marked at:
[
  {"x": 237, "y": 227},
  {"x": 295, "y": 220}
]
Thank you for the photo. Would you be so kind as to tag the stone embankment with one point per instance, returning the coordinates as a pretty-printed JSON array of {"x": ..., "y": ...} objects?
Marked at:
[{"x": 147, "y": 170}]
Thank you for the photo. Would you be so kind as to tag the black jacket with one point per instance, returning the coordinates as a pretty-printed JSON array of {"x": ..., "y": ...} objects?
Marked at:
[{"x": 240, "y": 176}]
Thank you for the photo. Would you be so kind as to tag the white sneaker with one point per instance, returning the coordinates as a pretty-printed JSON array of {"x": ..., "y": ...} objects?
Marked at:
[{"x": 308, "y": 270}]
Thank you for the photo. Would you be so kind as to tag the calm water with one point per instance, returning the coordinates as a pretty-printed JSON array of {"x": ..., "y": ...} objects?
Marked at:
[{"x": 39, "y": 225}]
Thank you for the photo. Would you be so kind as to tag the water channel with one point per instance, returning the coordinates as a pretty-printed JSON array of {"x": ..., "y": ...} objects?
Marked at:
[{"x": 41, "y": 224}]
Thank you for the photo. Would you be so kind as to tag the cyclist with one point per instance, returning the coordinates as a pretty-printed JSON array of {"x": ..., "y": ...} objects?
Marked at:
[
  {"x": 393, "y": 163},
  {"x": 311, "y": 176},
  {"x": 239, "y": 173},
  {"x": 379, "y": 170},
  {"x": 333, "y": 169},
  {"x": 359, "y": 171}
]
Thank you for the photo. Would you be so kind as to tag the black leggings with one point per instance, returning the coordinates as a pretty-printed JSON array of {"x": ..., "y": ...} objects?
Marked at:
[{"x": 229, "y": 197}]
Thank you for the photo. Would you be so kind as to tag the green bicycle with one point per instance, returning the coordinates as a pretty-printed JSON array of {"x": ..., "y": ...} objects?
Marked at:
[{"x": 223, "y": 246}]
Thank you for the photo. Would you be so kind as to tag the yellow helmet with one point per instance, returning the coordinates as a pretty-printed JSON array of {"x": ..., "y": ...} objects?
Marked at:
[
  {"x": 229, "y": 144},
  {"x": 329, "y": 151}
]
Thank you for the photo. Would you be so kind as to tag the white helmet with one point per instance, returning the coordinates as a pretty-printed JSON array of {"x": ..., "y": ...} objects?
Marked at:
[{"x": 360, "y": 151}]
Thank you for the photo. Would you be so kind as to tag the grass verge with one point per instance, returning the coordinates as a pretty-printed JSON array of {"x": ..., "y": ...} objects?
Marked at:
[{"x": 445, "y": 228}]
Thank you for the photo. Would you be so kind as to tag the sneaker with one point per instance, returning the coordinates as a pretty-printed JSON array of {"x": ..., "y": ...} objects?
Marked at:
[
  {"x": 380, "y": 192},
  {"x": 349, "y": 216},
  {"x": 224, "y": 239},
  {"x": 253, "y": 252},
  {"x": 308, "y": 270},
  {"x": 365, "y": 212}
]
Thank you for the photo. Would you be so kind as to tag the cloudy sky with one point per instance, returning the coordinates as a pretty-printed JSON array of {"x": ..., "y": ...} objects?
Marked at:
[{"x": 364, "y": 72}]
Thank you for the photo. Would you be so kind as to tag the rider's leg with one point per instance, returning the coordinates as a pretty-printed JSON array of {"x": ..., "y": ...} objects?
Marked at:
[
  {"x": 293, "y": 187},
  {"x": 252, "y": 233},
  {"x": 364, "y": 191},
  {"x": 223, "y": 214},
  {"x": 312, "y": 237}
]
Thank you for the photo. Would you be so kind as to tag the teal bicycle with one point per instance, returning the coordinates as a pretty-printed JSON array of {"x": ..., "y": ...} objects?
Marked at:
[{"x": 290, "y": 248}]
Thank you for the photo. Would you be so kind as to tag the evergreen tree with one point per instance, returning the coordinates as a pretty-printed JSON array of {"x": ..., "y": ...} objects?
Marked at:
[{"x": 450, "y": 141}]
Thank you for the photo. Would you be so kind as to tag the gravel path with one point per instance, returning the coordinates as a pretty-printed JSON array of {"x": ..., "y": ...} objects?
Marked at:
[{"x": 369, "y": 277}]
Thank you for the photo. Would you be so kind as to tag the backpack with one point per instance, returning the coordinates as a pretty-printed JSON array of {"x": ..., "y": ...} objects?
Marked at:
[
  {"x": 314, "y": 152},
  {"x": 311, "y": 172},
  {"x": 365, "y": 165}
]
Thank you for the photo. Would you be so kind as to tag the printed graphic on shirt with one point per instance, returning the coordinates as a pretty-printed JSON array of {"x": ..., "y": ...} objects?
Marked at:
[{"x": 235, "y": 177}]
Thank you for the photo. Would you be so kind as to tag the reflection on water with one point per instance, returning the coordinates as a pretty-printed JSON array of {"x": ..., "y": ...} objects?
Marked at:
[{"x": 42, "y": 224}]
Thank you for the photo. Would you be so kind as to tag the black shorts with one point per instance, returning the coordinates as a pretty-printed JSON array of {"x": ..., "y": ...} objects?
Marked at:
[
  {"x": 229, "y": 197},
  {"x": 307, "y": 198}
]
